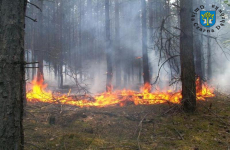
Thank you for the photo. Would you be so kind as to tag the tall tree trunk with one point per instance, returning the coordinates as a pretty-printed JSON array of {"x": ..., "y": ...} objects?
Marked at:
[
  {"x": 151, "y": 19},
  {"x": 108, "y": 48},
  {"x": 209, "y": 52},
  {"x": 61, "y": 43},
  {"x": 80, "y": 39},
  {"x": 90, "y": 38},
  {"x": 32, "y": 43},
  {"x": 144, "y": 44},
  {"x": 12, "y": 73},
  {"x": 202, "y": 56},
  {"x": 198, "y": 62},
  {"x": 198, "y": 55},
  {"x": 41, "y": 47},
  {"x": 187, "y": 58},
  {"x": 61, "y": 75},
  {"x": 139, "y": 71},
  {"x": 117, "y": 43}
]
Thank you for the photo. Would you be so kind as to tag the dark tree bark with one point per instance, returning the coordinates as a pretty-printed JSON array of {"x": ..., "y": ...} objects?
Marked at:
[
  {"x": 117, "y": 43},
  {"x": 40, "y": 52},
  {"x": 198, "y": 62},
  {"x": 12, "y": 23},
  {"x": 90, "y": 38},
  {"x": 61, "y": 43},
  {"x": 198, "y": 55},
  {"x": 187, "y": 58},
  {"x": 108, "y": 48},
  {"x": 81, "y": 9},
  {"x": 33, "y": 43},
  {"x": 151, "y": 20},
  {"x": 144, "y": 44},
  {"x": 209, "y": 53}
]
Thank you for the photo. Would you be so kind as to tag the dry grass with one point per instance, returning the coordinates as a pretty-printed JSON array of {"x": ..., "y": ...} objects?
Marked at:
[{"x": 130, "y": 127}]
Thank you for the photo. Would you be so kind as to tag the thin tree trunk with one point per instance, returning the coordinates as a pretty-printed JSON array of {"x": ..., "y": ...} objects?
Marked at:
[
  {"x": 209, "y": 53},
  {"x": 198, "y": 63},
  {"x": 61, "y": 44},
  {"x": 108, "y": 48},
  {"x": 117, "y": 43},
  {"x": 198, "y": 55},
  {"x": 32, "y": 45},
  {"x": 12, "y": 73},
  {"x": 144, "y": 44},
  {"x": 80, "y": 39},
  {"x": 151, "y": 21},
  {"x": 40, "y": 48}
]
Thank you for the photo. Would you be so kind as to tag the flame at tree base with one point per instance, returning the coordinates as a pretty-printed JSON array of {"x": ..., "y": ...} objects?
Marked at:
[{"x": 38, "y": 93}]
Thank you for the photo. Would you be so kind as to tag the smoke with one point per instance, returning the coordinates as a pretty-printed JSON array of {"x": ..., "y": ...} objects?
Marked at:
[{"x": 83, "y": 44}]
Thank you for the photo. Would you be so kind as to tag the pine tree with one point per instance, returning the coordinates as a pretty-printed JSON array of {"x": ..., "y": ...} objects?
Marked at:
[
  {"x": 12, "y": 23},
  {"x": 187, "y": 58}
]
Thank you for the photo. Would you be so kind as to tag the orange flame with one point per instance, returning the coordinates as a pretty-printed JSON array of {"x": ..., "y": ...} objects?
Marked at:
[{"x": 38, "y": 93}]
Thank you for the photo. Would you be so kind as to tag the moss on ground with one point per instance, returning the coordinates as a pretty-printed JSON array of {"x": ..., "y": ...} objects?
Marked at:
[{"x": 120, "y": 128}]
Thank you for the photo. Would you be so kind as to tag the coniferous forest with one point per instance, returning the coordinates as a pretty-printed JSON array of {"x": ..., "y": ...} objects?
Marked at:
[{"x": 114, "y": 74}]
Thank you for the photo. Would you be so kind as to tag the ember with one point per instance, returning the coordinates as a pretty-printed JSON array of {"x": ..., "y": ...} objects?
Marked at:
[{"x": 39, "y": 93}]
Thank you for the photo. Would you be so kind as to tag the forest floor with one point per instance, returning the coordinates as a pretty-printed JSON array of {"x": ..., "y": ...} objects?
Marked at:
[{"x": 131, "y": 127}]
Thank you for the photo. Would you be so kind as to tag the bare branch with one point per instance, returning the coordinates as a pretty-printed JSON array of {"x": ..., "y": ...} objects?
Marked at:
[
  {"x": 31, "y": 63},
  {"x": 34, "y": 20},
  {"x": 162, "y": 66},
  {"x": 31, "y": 67},
  {"x": 35, "y": 6}
]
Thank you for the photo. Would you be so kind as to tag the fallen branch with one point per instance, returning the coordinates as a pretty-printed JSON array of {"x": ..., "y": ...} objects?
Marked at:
[
  {"x": 33, "y": 145},
  {"x": 32, "y": 116},
  {"x": 179, "y": 133},
  {"x": 170, "y": 109},
  {"x": 139, "y": 134}
]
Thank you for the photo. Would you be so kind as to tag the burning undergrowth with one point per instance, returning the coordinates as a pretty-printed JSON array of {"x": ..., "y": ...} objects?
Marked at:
[{"x": 39, "y": 93}]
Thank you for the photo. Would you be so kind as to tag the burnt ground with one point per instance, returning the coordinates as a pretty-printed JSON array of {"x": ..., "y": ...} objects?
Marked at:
[{"x": 163, "y": 126}]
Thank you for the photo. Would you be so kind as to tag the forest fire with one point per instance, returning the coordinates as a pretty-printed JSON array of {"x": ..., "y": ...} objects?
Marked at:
[{"x": 39, "y": 93}]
